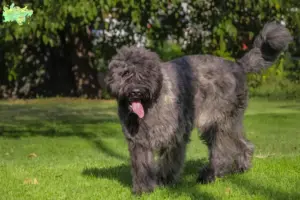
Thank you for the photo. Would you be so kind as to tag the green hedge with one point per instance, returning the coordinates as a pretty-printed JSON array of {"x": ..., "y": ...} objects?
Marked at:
[{"x": 55, "y": 54}]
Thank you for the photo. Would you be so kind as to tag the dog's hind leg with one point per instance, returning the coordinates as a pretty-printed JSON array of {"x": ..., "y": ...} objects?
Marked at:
[
  {"x": 170, "y": 163},
  {"x": 244, "y": 148},
  {"x": 229, "y": 151}
]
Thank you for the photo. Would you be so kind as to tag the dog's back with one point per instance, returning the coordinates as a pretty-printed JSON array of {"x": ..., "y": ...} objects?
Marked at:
[{"x": 218, "y": 85}]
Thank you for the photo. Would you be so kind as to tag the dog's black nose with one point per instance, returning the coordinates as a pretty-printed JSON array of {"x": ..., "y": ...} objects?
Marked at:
[{"x": 135, "y": 93}]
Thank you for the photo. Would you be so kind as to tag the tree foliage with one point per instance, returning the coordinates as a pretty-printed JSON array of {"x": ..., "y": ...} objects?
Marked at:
[{"x": 65, "y": 43}]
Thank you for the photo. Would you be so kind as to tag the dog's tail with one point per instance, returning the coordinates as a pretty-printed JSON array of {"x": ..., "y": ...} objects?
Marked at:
[{"x": 272, "y": 40}]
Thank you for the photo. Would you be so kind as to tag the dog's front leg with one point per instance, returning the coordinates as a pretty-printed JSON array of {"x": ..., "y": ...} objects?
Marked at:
[{"x": 142, "y": 168}]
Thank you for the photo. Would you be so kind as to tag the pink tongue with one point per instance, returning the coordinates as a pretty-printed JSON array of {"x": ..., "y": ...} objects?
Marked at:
[{"x": 138, "y": 109}]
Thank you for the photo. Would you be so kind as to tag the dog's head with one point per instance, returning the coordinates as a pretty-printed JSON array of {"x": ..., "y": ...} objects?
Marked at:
[{"x": 134, "y": 77}]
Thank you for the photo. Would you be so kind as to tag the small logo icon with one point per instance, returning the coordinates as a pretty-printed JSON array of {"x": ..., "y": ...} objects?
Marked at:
[{"x": 16, "y": 14}]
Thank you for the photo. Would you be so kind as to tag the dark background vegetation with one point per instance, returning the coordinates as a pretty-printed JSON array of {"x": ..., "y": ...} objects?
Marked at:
[{"x": 64, "y": 48}]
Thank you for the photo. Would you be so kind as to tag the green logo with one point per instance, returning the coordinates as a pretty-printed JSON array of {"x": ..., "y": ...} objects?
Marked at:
[{"x": 16, "y": 14}]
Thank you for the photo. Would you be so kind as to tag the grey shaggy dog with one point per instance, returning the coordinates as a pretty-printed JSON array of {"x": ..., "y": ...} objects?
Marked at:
[{"x": 159, "y": 103}]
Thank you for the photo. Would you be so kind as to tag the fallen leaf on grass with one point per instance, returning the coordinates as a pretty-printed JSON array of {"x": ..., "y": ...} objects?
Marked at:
[
  {"x": 27, "y": 181},
  {"x": 227, "y": 191},
  {"x": 32, "y": 155},
  {"x": 35, "y": 182},
  {"x": 31, "y": 181},
  {"x": 264, "y": 155}
]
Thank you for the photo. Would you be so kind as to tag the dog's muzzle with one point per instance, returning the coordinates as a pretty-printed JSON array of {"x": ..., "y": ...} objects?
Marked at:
[
  {"x": 136, "y": 98},
  {"x": 136, "y": 94}
]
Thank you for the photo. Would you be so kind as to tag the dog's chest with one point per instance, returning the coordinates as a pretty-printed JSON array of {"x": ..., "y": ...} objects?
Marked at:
[{"x": 162, "y": 126}]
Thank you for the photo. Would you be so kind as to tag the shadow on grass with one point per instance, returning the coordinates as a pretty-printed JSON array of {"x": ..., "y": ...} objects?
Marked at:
[
  {"x": 90, "y": 123},
  {"x": 291, "y": 107},
  {"x": 56, "y": 121},
  {"x": 122, "y": 174},
  {"x": 101, "y": 146},
  {"x": 187, "y": 184}
]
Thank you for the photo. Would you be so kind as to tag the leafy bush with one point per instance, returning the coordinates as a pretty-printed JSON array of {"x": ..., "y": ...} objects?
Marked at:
[
  {"x": 66, "y": 43},
  {"x": 277, "y": 90}
]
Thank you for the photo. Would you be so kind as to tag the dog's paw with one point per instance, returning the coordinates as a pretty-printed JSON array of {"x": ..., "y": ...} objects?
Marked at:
[
  {"x": 206, "y": 176},
  {"x": 143, "y": 188},
  {"x": 168, "y": 179},
  {"x": 139, "y": 191},
  {"x": 205, "y": 179},
  {"x": 240, "y": 168}
]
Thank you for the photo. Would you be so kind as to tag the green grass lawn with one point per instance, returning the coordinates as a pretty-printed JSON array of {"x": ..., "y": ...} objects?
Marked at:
[{"x": 74, "y": 149}]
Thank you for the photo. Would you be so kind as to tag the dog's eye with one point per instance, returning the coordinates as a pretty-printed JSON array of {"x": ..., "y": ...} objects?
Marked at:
[{"x": 125, "y": 73}]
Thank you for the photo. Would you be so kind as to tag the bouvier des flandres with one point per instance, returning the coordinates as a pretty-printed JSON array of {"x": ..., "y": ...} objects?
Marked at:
[{"x": 159, "y": 103}]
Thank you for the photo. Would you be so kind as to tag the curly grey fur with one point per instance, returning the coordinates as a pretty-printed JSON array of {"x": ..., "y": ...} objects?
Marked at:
[
  {"x": 271, "y": 41},
  {"x": 197, "y": 90}
]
